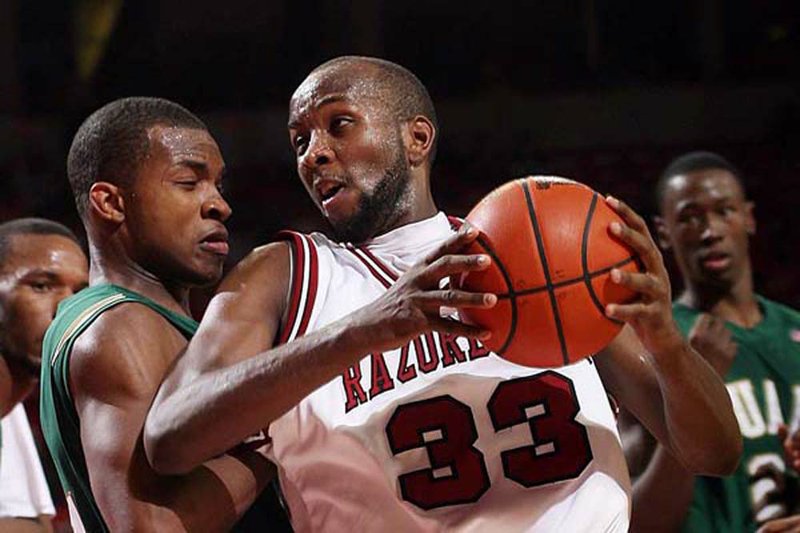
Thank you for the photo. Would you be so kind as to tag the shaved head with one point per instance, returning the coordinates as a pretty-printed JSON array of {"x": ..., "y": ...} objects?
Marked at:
[{"x": 396, "y": 88}]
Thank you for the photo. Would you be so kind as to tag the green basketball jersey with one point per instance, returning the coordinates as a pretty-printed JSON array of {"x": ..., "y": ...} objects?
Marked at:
[
  {"x": 60, "y": 423},
  {"x": 764, "y": 386}
]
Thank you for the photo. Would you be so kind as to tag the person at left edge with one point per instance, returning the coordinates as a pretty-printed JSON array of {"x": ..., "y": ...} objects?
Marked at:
[{"x": 41, "y": 263}]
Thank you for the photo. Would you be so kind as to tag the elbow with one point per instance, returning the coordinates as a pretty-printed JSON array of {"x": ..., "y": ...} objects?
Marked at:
[
  {"x": 165, "y": 452},
  {"x": 731, "y": 461}
]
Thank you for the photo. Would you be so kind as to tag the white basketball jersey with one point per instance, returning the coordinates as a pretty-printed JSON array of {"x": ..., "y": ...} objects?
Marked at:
[{"x": 440, "y": 434}]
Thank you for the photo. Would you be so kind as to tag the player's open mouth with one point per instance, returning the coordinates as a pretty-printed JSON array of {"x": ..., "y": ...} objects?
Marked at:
[
  {"x": 715, "y": 261},
  {"x": 216, "y": 243},
  {"x": 329, "y": 191}
]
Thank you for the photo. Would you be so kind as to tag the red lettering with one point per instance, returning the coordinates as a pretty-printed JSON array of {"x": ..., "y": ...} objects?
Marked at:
[
  {"x": 476, "y": 350},
  {"x": 381, "y": 380},
  {"x": 405, "y": 372},
  {"x": 351, "y": 380},
  {"x": 431, "y": 362},
  {"x": 451, "y": 351}
]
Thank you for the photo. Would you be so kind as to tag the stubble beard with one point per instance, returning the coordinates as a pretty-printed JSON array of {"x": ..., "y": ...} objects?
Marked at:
[{"x": 379, "y": 210}]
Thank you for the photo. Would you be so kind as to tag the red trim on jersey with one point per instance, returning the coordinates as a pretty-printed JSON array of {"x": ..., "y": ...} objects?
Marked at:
[
  {"x": 313, "y": 275},
  {"x": 380, "y": 264},
  {"x": 369, "y": 266},
  {"x": 299, "y": 285},
  {"x": 455, "y": 222}
]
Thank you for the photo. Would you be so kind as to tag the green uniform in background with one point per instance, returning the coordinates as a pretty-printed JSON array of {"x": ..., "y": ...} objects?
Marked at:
[
  {"x": 764, "y": 386},
  {"x": 60, "y": 423}
]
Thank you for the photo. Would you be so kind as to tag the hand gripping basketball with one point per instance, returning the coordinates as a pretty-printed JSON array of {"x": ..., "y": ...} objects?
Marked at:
[
  {"x": 650, "y": 315},
  {"x": 552, "y": 255},
  {"x": 411, "y": 307}
]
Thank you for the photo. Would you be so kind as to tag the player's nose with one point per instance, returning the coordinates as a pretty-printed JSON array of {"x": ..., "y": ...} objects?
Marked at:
[
  {"x": 712, "y": 229},
  {"x": 217, "y": 208},
  {"x": 320, "y": 152}
]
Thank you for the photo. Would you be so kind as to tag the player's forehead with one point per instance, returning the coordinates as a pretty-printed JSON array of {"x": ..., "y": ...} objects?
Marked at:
[
  {"x": 701, "y": 186},
  {"x": 356, "y": 85},
  {"x": 175, "y": 143},
  {"x": 49, "y": 252}
]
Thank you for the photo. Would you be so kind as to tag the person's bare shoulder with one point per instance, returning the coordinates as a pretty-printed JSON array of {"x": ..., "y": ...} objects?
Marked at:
[
  {"x": 260, "y": 282},
  {"x": 266, "y": 265},
  {"x": 124, "y": 353}
]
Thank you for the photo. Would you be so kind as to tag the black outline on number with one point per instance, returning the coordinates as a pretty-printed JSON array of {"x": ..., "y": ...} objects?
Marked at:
[
  {"x": 421, "y": 430},
  {"x": 545, "y": 403},
  {"x": 584, "y": 435}
]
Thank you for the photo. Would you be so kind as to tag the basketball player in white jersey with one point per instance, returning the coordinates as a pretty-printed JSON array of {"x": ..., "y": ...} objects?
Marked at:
[{"x": 383, "y": 415}]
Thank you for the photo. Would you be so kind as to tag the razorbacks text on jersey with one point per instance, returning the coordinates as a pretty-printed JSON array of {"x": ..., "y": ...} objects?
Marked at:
[{"x": 440, "y": 434}]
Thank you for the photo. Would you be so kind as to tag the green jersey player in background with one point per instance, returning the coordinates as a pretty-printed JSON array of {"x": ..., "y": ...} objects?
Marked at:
[
  {"x": 41, "y": 263},
  {"x": 753, "y": 343}
]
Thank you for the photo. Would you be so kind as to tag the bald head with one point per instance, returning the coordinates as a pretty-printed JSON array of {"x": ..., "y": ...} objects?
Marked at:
[{"x": 395, "y": 88}]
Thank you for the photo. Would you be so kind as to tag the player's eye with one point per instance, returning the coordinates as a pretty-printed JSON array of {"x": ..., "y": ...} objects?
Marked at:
[
  {"x": 692, "y": 219},
  {"x": 40, "y": 286},
  {"x": 187, "y": 183},
  {"x": 339, "y": 123},
  {"x": 300, "y": 145}
]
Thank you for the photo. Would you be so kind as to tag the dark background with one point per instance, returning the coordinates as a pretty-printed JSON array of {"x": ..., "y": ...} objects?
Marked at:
[{"x": 602, "y": 91}]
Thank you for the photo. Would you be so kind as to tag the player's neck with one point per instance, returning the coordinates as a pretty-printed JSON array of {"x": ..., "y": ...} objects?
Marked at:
[
  {"x": 118, "y": 269},
  {"x": 423, "y": 207},
  {"x": 737, "y": 305}
]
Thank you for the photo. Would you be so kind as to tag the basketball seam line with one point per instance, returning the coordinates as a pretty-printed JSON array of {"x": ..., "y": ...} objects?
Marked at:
[
  {"x": 587, "y": 280},
  {"x": 512, "y": 329},
  {"x": 546, "y": 268},
  {"x": 561, "y": 284}
]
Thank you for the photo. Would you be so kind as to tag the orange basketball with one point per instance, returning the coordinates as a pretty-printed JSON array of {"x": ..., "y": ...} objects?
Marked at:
[{"x": 552, "y": 254}]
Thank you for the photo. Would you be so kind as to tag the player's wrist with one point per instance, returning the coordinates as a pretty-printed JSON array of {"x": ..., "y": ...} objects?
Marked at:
[{"x": 669, "y": 346}]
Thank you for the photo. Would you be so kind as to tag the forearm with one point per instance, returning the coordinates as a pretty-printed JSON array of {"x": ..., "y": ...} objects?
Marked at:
[
  {"x": 208, "y": 410},
  {"x": 661, "y": 495},
  {"x": 39, "y": 524},
  {"x": 215, "y": 496},
  {"x": 701, "y": 426}
]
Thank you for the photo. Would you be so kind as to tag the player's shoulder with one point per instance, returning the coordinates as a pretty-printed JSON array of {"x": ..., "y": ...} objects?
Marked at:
[
  {"x": 271, "y": 264},
  {"x": 267, "y": 264},
  {"x": 125, "y": 349}
]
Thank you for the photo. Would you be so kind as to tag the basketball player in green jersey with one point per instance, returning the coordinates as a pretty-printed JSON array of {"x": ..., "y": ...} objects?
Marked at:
[
  {"x": 752, "y": 342},
  {"x": 146, "y": 175}
]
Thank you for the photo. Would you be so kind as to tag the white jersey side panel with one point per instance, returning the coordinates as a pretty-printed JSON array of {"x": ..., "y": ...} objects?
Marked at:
[
  {"x": 23, "y": 488},
  {"x": 441, "y": 434}
]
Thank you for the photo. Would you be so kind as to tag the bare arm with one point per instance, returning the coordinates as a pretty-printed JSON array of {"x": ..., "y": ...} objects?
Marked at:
[
  {"x": 657, "y": 376},
  {"x": 223, "y": 389},
  {"x": 662, "y": 487},
  {"x": 115, "y": 370},
  {"x": 40, "y": 524}
]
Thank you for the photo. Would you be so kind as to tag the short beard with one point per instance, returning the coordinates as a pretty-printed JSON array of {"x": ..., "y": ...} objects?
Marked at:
[{"x": 378, "y": 211}]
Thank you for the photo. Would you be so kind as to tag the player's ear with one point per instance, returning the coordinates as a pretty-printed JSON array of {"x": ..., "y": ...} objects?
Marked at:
[
  {"x": 419, "y": 138},
  {"x": 662, "y": 234},
  {"x": 750, "y": 218},
  {"x": 105, "y": 200}
]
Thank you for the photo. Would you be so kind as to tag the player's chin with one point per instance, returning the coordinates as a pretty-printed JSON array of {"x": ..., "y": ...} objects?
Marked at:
[
  {"x": 208, "y": 272},
  {"x": 718, "y": 279}
]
